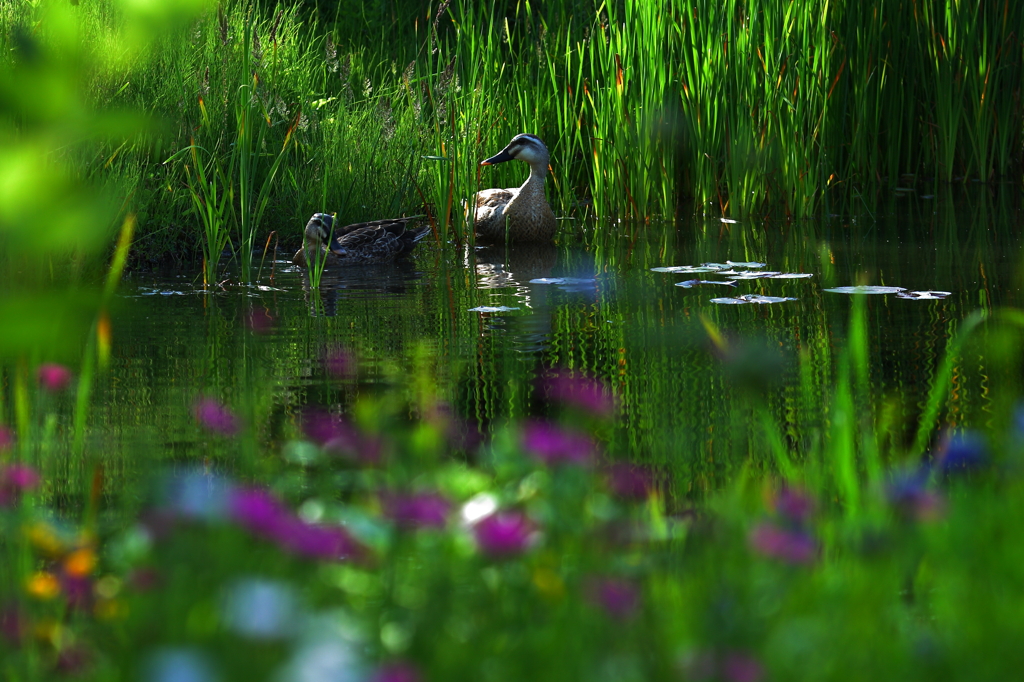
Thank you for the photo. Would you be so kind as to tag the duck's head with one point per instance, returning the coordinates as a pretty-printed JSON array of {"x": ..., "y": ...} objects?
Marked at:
[
  {"x": 525, "y": 147},
  {"x": 318, "y": 229}
]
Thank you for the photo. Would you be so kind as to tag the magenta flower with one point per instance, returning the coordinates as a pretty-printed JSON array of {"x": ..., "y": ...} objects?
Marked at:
[
  {"x": 794, "y": 505},
  {"x": 581, "y": 392},
  {"x": 396, "y": 671},
  {"x": 265, "y": 516},
  {"x": 552, "y": 445},
  {"x": 215, "y": 417},
  {"x": 54, "y": 377},
  {"x": 260, "y": 321},
  {"x": 630, "y": 481},
  {"x": 739, "y": 667},
  {"x": 338, "y": 437},
  {"x": 332, "y": 543},
  {"x": 16, "y": 479},
  {"x": 340, "y": 363},
  {"x": 6, "y": 438},
  {"x": 504, "y": 534},
  {"x": 424, "y": 510},
  {"x": 618, "y": 597},
  {"x": 792, "y": 546},
  {"x": 259, "y": 512}
]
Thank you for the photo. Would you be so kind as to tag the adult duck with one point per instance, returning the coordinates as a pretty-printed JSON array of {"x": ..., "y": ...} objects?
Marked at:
[
  {"x": 519, "y": 214},
  {"x": 378, "y": 241}
]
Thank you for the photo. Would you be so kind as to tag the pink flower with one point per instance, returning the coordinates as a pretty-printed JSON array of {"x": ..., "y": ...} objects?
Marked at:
[
  {"x": 794, "y": 505},
  {"x": 54, "y": 377},
  {"x": 16, "y": 479},
  {"x": 618, "y": 597},
  {"x": 630, "y": 481},
  {"x": 795, "y": 547},
  {"x": 581, "y": 392},
  {"x": 260, "y": 321},
  {"x": 552, "y": 445},
  {"x": 215, "y": 417},
  {"x": 504, "y": 534},
  {"x": 424, "y": 510},
  {"x": 739, "y": 667},
  {"x": 396, "y": 671}
]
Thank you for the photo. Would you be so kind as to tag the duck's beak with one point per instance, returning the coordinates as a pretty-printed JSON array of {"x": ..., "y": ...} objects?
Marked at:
[{"x": 500, "y": 157}]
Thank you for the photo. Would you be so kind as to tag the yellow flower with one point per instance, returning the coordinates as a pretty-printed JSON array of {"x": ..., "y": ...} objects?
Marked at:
[
  {"x": 80, "y": 562},
  {"x": 43, "y": 585}
]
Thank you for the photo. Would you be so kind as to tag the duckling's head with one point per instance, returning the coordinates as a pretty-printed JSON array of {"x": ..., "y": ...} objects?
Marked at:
[
  {"x": 318, "y": 229},
  {"x": 525, "y": 147}
]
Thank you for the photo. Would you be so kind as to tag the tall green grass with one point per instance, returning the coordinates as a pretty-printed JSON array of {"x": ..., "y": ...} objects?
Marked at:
[{"x": 650, "y": 111}]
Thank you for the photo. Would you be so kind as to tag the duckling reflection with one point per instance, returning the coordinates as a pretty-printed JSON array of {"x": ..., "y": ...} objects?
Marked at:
[{"x": 384, "y": 282}]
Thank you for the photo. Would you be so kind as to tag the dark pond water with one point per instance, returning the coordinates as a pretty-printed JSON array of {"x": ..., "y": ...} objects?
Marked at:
[{"x": 474, "y": 329}]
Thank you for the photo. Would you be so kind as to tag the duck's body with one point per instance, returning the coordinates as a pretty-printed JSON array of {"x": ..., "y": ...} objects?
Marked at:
[
  {"x": 519, "y": 214},
  {"x": 378, "y": 241}
]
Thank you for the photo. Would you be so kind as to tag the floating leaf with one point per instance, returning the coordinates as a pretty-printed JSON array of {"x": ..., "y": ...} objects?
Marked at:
[
  {"x": 866, "y": 289},
  {"x": 792, "y": 275},
  {"x": 729, "y": 221},
  {"x": 685, "y": 268},
  {"x": 491, "y": 309},
  {"x": 757, "y": 275},
  {"x": 690, "y": 283},
  {"x": 752, "y": 298},
  {"x": 751, "y": 264},
  {"x": 561, "y": 280},
  {"x": 924, "y": 295}
]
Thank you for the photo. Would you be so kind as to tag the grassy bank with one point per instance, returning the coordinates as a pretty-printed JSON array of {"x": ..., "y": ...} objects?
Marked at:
[{"x": 268, "y": 113}]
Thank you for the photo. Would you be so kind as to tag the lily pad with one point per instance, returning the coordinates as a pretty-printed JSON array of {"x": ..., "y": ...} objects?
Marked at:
[
  {"x": 752, "y": 298},
  {"x": 685, "y": 268},
  {"x": 561, "y": 280},
  {"x": 757, "y": 275},
  {"x": 491, "y": 309},
  {"x": 866, "y": 289},
  {"x": 924, "y": 295},
  {"x": 690, "y": 283},
  {"x": 751, "y": 264},
  {"x": 792, "y": 275}
]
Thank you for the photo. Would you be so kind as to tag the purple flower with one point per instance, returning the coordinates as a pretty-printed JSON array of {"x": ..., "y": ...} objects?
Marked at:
[
  {"x": 16, "y": 479},
  {"x": 503, "y": 534},
  {"x": 396, "y": 671},
  {"x": 629, "y": 481},
  {"x": 6, "y": 438},
  {"x": 259, "y": 512},
  {"x": 215, "y": 417},
  {"x": 795, "y": 547},
  {"x": 581, "y": 392},
  {"x": 552, "y": 445},
  {"x": 337, "y": 437},
  {"x": 961, "y": 453},
  {"x": 340, "y": 363},
  {"x": 260, "y": 321},
  {"x": 739, "y": 667},
  {"x": 618, "y": 597},
  {"x": 313, "y": 541},
  {"x": 909, "y": 495},
  {"x": 794, "y": 505},
  {"x": 424, "y": 510},
  {"x": 54, "y": 377}
]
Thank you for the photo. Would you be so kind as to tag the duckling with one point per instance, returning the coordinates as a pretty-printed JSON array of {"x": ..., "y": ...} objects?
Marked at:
[
  {"x": 378, "y": 241},
  {"x": 519, "y": 214}
]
